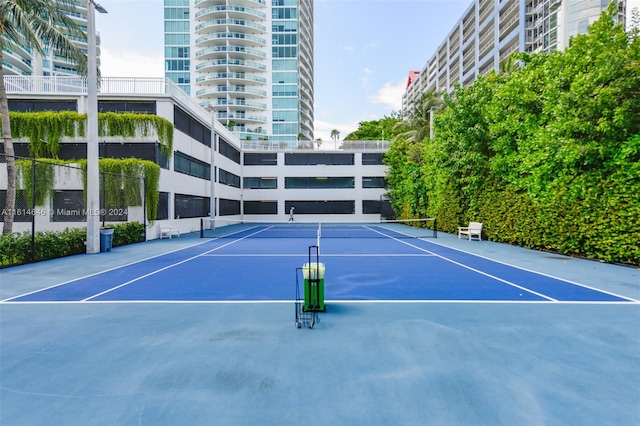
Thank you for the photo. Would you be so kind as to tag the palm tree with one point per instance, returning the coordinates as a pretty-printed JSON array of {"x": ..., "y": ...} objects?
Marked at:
[
  {"x": 509, "y": 65},
  {"x": 417, "y": 126},
  {"x": 335, "y": 134},
  {"x": 36, "y": 24}
]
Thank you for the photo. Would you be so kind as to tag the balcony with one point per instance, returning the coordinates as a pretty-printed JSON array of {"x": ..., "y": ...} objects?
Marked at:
[
  {"x": 231, "y": 65},
  {"x": 247, "y": 91},
  {"x": 232, "y": 77},
  {"x": 234, "y": 11},
  {"x": 222, "y": 51},
  {"x": 239, "y": 39}
]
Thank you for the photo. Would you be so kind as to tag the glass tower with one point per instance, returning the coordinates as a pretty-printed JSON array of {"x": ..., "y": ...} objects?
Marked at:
[
  {"x": 177, "y": 43},
  {"x": 27, "y": 62},
  {"x": 251, "y": 60}
]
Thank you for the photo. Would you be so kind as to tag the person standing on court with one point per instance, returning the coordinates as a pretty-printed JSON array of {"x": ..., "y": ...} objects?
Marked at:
[{"x": 291, "y": 214}]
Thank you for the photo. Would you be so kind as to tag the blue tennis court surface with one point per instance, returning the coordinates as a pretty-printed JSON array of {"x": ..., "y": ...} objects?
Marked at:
[
  {"x": 418, "y": 331},
  {"x": 362, "y": 263}
]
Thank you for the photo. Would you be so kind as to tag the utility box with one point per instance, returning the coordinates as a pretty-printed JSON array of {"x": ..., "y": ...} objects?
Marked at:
[{"x": 313, "y": 274}]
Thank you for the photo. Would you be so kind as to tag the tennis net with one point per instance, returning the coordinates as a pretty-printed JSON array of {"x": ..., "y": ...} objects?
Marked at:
[{"x": 237, "y": 228}]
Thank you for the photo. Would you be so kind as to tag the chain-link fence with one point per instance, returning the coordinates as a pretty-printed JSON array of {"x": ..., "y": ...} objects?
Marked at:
[{"x": 51, "y": 198}]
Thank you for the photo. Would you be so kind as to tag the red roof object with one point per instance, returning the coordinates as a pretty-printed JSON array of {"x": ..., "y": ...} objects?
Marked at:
[{"x": 412, "y": 76}]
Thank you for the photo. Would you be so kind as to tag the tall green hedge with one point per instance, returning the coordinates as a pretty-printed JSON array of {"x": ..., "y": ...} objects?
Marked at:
[{"x": 546, "y": 156}]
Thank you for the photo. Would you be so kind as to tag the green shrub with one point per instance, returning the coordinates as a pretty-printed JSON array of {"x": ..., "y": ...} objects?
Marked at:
[
  {"x": 15, "y": 249},
  {"x": 127, "y": 233}
]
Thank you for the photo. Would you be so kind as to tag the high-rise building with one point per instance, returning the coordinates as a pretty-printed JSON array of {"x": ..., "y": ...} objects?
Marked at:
[
  {"x": 27, "y": 62},
  {"x": 250, "y": 60},
  {"x": 490, "y": 30}
]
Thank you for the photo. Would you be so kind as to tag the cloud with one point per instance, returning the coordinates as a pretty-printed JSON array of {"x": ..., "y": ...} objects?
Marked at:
[
  {"x": 348, "y": 48},
  {"x": 129, "y": 64},
  {"x": 390, "y": 94},
  {"x": 364, "y": 80}
]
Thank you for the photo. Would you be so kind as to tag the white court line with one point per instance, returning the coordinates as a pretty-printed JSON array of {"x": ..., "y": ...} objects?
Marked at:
[
  {"x": 324, "y": 255},
  {"x": 470, "y": 268},
  {"x": 8, "y": 300},
  {"x": 428, "y": 253},
  {"x": 102, "y": 272},
  {"x": 341, "y": 301},
  {"x": 172, "y": 265},
  {"x": 537, "y": 272}
]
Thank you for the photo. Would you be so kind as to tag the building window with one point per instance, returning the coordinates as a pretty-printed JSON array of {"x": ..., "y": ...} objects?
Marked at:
[
  {"x": 316, "y": 159},
  {"x": 260, "y": 183},
  {"x": 229, "y": 207},
  {"x": 229, "y": 151},
  {"x": 186, "y": 206},
  {"x": 372, "y": 159},
  {"x": 322, "y": 207},
  {"x": 68, "y": 206},
  {"x": 260, "y": 207},
  {"x": 260, "y": 159},
  {"x": 163, "y": 206},
  {"x": 183, "y": 163},
  {"x": 228, "y": 178},
  {"x": 371, "y": 206},
  {"x": 319, "y": 182},
  {"x": 373, "y": 182},
  {"x": 190, "y": 126}
]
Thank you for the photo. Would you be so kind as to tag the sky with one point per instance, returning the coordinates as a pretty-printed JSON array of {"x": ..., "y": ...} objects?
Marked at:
[{"x": 364, "y": 50}]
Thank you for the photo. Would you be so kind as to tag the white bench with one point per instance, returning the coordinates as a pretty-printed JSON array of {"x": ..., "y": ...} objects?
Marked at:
[
  {"x": 474, "y": 230},
  {"x": 168, "y": 232}
]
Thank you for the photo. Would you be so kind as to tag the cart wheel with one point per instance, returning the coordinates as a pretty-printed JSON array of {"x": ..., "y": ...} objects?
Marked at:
[{"x": 298, "y": 325}]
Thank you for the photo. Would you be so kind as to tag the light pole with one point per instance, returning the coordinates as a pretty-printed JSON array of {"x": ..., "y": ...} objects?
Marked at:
[
  {"x": 432, "y": 131},
  {"x": 93, "y": 172},
  {"x": 212, "y": 201}
]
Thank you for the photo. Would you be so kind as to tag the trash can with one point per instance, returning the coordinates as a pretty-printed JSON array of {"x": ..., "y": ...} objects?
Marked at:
[
  {"x": 106, "y": 239},
  {"x": 313, "y": 274}
]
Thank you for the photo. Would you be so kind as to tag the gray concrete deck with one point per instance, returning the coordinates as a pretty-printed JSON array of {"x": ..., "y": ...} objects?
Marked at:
[{"x": 411, "y": 363}]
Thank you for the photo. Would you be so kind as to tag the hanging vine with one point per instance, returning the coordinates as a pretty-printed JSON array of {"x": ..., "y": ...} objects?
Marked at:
[
  {"x": 122, "y": 178},
  {"x": 44, "y": 174},
  {"x": 44, "y": 129},
  {"x": 123, "y": 181},
  {"x": 129, "y": 124}
]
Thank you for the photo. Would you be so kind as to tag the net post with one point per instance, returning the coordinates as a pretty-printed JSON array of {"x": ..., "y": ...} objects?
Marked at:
[
  {"x": 201, "y": 227},
  {"x": 435, "y": 228}
]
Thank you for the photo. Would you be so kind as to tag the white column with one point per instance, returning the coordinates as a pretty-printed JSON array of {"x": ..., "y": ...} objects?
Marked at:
[{"x": 93, "y": 173}]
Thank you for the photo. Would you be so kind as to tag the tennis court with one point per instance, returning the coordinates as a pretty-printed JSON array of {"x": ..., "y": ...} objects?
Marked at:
[
  {"x": 418, "y": 330},
  {"x": 252, "y": 262}
]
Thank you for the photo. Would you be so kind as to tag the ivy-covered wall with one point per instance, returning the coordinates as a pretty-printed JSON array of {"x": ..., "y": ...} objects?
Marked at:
[
  {"x": 546, "y": 156},
  {"x": 45, "y": 129},
  {"x": 121, "y": 180}
]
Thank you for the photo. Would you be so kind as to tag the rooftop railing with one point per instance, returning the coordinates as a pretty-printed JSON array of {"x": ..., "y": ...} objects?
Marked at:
[
  {"x": 272, "y": 145},
  {"x": 141, "y": 86}
]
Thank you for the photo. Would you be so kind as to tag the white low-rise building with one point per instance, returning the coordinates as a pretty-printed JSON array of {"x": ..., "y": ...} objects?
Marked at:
[{"x": 250, "y": 180}]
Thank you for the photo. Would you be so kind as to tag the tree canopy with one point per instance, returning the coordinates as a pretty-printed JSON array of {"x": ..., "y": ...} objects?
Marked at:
[
  {"x": 35, "y": 24},
  {"x": 382, "y": 129},
  {"x": 546, "y": 156}
]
